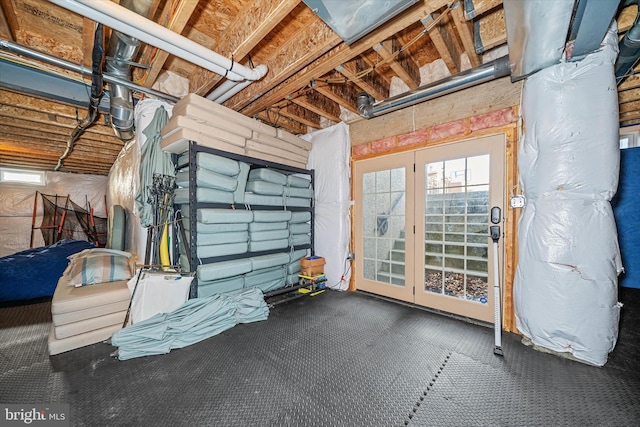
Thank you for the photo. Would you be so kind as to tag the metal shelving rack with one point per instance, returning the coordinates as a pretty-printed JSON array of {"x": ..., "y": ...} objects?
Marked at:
[{"x": 194, "y": 205}]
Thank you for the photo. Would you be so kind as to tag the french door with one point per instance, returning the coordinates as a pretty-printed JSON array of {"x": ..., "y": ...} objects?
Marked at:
[{"x": 422, "y": 225}]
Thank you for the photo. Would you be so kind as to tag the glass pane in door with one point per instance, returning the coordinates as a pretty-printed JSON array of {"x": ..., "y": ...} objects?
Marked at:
[
  {"x": 456, "y": 218},
  {"x": 383, "y": 210}
]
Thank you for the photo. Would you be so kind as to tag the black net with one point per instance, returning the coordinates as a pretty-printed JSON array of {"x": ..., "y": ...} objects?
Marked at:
[{"x": 64, "y": 219}]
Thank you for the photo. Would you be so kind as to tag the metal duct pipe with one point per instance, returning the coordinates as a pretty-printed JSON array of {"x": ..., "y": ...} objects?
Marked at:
[
  {"x": 80, "y": 69},
  {"x": 128, "y": 22},
  {"x": 629, "y": 50},
  {"x": 475, "y": 76},
  {"x": 121, "y": 51}
]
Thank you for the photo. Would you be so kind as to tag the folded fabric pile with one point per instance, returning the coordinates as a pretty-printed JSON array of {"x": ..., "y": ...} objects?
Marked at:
[{"x": 192, "y": 322}]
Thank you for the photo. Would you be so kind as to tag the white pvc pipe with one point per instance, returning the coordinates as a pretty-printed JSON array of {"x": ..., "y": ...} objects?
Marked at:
[
  {"x": 221, "y": 90},
  {"x": 134, "y": 25},
  {"x": 237, "y": 88}
]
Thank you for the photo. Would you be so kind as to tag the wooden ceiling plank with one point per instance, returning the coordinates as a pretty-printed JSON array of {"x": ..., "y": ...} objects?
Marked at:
[
  {"x": 629, "y": 95},
  {"x": 338, "y": 55},
  {"x": 304, "y": 47},
  {"x": 38, "y": 118},
  {"x": 626, "y": 17},
  {"x": 465, "y": 31},
  {"x": 242, "y": 35},
  {"x": 39, "y": 104},
  {"x": 60, "y": 130},
  {"x": 302, "y": 115},
  {"x": 156, "y": 57},
  {"x": 340, "y": 94},
  {"x": 80, "y": 147},
  {"x": 630, "y": 82},
  {"x": 630, "y": 123},
  {"x": 8, "y": 21},
  {"x": 370, "y": 83},
  {"x": 404, "y": 67},
  {"x": 480, "y": 7},
  {"x": 631, "y": 115},
  {"x": 492, "y": 30},
  {"x": 278, "y": 120},
  {"x": 629, "y": 106},
  {"x": 88, "y": 30},
  {"x": 444, "y": 41},
  {"x": 320, "y": 104}
]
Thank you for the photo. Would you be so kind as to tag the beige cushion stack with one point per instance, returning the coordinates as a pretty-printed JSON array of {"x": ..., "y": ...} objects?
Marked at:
[
  {"x": 86, "y": 315},
  {"x": 195, "y": 118}
]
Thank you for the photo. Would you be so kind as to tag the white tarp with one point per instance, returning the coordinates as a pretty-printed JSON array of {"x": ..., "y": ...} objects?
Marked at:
[
  {"x": 17, "y": 200},
  {"x": 124, "y": 176},
  {"x": 565, "y": 287},
  {"x": 329, "y": 157}
]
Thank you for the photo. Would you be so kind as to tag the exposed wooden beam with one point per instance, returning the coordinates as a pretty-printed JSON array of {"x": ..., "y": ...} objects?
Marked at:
[
  {"x": 403, "y": 66},
  {"x": 629, "y": 95},
  {"x": 8, "y": 21},
  {"x": 27, "y": 125},
  {"x": 629, "y": 106},
  {"x": 444, "y": 40},
  {"x": 251, "y": 26},
  {"x": 27, "y": 139},
  {"x": 42, "y": 105},
  {"x": 630, "y": 123},
  {"x": 631, "y": 115},
  {"x": 476, "y": 8},
  {"x": 301, "y": 114},
  {"x": 156, "y": 57},
  {"x": 304, "y": 47},
  {"x": 277, "y": 120},
  {"x": 371, "y": 83},
  {"x": 343, "y": 94},
  {"x": 88, "y": 32},
  {"x": 465, "y": 31},
  {"x": 626, "y": 17},
  {"x": 338, "y": 55},
  {"x": 318, "y": 103},
  {"x": 630, "y": 82},
  {"x": 37, "y": 119},
  {"x": 492, "y": 30}
]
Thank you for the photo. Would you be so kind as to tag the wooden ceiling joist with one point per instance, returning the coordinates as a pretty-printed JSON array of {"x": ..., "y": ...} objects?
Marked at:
[
  {"x": 277, "y": 120},
  {"x": 302, "y": 115},
  {"x": 26, "y": 125},
  {"x": 318, "y": 103},
  {"x": 402, "y": 65},
  {"x": 345, "y": 94},
  {"x": 156, "y": 58},
  {"x": 303, "y": 48},
  {"x": 38, "y": 119},
  {"x": 242, "y": 35},
  {"x": 8, "y": 21},
  {"x": 81, "y": 146},
  {"x": 368, "y": 83},
  {"x": 492, "y": 30},
  {"x": 630, "y": 82},
  {"x": 479, "y": 7},
  {"x": 445, "y": 41},
  {"x": 338, "y": 55},
  {"x": 465, "y": 31},
  {"x": 629, "y": 95}
]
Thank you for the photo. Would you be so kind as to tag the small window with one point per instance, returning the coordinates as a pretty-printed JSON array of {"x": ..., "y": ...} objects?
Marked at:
[
  {"x": 628, "y": 140},
  {"x": 22, "y": 176}
]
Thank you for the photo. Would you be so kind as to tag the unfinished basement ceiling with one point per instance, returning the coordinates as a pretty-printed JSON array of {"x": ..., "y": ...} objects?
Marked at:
[{"x": 312, "y": 79}]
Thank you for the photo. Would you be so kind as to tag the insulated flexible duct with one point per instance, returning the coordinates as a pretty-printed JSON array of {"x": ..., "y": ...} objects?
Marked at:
[{"x": 97, "y": 57}]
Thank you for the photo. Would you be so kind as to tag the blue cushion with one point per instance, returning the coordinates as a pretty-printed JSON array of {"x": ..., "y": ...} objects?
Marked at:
[
  {"x": 267, "y": 245},
  {"x": 208, "y": 179},
  {"x": 224, "y": 269},
  {"x": 204, "y": 195},
  {"x": 258, "y": 236},
  {"x": 264, "y": 187},
  {"x": 219, "y": 250},
  {"x": 271, "y": 260},
  {"x": 224, "y": 216},
  {"x": 271, "y": 216},
  {"x": 266, "y": 174}
]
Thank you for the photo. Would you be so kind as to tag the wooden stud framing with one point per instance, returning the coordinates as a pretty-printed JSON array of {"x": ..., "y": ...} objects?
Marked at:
[
  {"x": 465, "y": 31},
  {"x": 320, "y": 104},
  {"x": 445, "y": 42},
  {"x": 492, "y": 29},
  {"x": 403, "y": 66}
]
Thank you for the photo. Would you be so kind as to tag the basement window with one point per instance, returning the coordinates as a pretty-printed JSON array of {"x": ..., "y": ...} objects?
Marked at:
[{"x": 22, "y": 176}]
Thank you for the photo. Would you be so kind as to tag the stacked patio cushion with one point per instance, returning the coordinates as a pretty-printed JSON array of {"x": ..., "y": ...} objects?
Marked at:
[
  {"x": 300, "y": 228},
  {"x": 87, "y": 314},
  {"x": 266, "y": 272},
  {"x": 273, "y": 188},
  {"x": 218, "y": 179},
  {"x": 198, "y": 119}
]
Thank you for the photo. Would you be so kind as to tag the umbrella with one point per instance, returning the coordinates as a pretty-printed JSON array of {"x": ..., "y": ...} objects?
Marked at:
[
  {"x": 153, "y": 161},
  {"x": 192, "y": 322}
]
